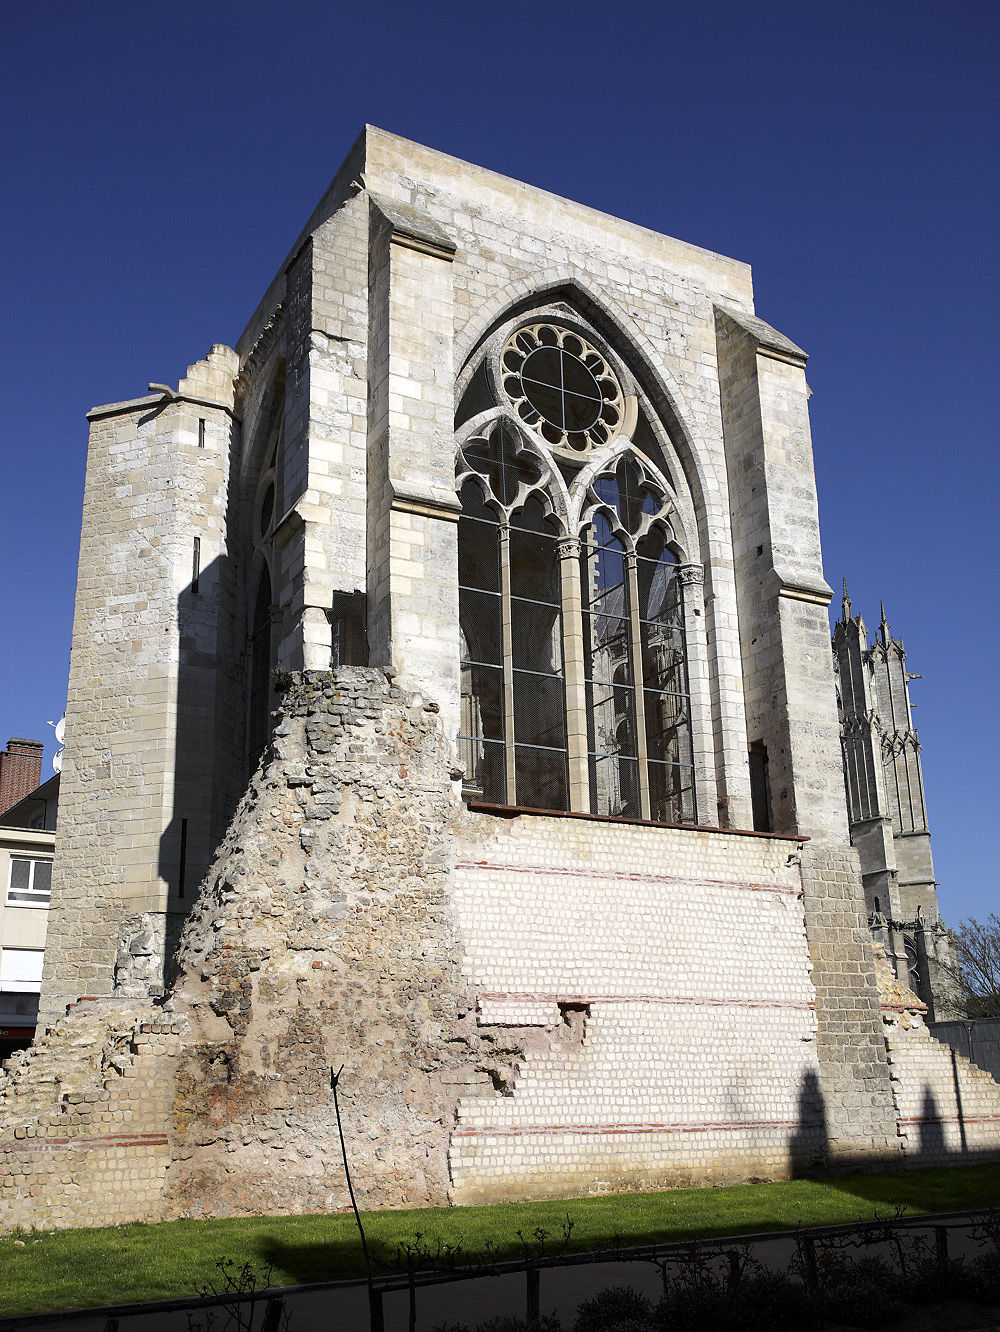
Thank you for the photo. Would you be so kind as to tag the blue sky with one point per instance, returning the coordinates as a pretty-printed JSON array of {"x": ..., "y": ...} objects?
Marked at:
[{"x": 158, "y": 162}]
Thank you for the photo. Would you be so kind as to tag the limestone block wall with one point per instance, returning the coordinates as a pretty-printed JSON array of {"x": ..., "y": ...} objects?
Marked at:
[
  {"x": 148, "y": 764},
  {"x": 85, "y": 1120},
  {"x": 644, "y": 291},
  {"x": 672, "y": 967},
  {"x": 947, "y": 1107},
  {"x": 405, "y": 266}
]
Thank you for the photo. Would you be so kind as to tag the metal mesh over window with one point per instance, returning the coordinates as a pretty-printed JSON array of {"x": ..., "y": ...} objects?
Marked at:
[
  {"x": 640, "y": 750},
  {"x": 513, "y": 736}
]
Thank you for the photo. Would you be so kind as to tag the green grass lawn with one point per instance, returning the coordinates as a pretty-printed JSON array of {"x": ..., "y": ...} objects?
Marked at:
[{"x": 78, "y": 1268}]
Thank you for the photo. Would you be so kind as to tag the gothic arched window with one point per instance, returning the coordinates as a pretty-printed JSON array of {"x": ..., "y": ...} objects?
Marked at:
[
  {"x": 513, "y": 709},
  {"x": 574, "y": 672},
  {"x": 637, "y": 700}
]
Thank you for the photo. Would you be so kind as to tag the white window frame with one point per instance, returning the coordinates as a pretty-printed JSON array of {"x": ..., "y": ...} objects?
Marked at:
[{"x": 43, "y": 898}]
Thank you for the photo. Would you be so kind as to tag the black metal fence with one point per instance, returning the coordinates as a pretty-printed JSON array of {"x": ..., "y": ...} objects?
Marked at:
[{"x": 912, "y": 1243}]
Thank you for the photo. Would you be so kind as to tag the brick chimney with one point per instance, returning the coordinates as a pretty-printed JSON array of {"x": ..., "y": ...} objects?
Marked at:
[{"x": 20, "y": 771}]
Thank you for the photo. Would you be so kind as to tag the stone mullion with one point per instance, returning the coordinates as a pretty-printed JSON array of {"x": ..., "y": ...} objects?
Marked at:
[
  {"x": 575, "y": 673},
  {"x": 638, "y": 682},
  {"x": 506, "y": 640}
]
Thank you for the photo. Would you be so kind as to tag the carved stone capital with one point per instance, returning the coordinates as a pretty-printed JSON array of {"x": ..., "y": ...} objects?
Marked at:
[
  {"x": 568, "y": 547},
  {"x": 691, "y": 575}
]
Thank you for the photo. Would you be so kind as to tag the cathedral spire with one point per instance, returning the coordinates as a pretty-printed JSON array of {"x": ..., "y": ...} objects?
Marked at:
[
  {"x": 845, "y": 605},
  {"x": 884, "y": 627}
]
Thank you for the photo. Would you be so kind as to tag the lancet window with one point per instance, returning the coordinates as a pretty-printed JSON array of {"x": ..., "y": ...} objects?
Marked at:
[
  {"x": 513, "y": 717},
  {"x": 575, "y": 690},
  {"x": 638, "y": 710}
]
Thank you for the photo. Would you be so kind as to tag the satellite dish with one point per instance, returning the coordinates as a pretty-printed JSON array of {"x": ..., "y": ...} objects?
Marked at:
[{"x": 60, "y": 730}]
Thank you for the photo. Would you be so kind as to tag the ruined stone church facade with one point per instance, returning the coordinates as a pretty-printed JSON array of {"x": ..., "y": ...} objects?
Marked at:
[{"x": 451, "y": 699}]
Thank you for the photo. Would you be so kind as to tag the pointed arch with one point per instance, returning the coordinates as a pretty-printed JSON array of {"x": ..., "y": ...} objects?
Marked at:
[
  {"x": 551, "y": 483},
  {"x": 605, "y": 461},
  {"x": 631, "y": 346},
  {"x": 575, "y": 684}
]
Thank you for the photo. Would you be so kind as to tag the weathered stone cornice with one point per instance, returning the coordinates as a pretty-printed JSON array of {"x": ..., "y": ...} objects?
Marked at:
[{"x": 412, "y": 229}]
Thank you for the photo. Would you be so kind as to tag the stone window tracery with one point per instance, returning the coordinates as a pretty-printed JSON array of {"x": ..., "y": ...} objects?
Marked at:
[
  {"x": 562, "y": 387},
  {"x": 575, "y": 691},
  {"x": 513, "y": 713}
]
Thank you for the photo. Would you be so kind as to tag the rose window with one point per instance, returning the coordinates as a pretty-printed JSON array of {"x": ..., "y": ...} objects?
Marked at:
[{"x": 561, "y": 386}]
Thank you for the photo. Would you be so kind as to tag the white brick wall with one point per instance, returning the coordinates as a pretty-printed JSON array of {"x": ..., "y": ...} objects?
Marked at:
[{"x": 688, "y": 949}]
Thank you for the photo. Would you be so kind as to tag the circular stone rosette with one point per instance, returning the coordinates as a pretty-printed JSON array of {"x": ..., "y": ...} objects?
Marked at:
[{"x": 561, "y": 387}]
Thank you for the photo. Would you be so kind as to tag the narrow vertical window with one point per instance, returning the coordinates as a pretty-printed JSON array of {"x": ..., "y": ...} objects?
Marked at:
[
  {"x": 201, "y": 432},
  {"x": 196, "y": 564},
  {"x": 666, "y": 695},
  {"x": 182, "y": 859},
  {"x": 481, "y": 612},
  {"x": 261, "y": 664},
  {"x": 638, "y": 701},
  {"x": 760, "y": 790},
  {"x": 535, "y": 657}
]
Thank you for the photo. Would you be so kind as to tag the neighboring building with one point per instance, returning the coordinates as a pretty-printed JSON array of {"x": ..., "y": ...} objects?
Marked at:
[
  {"x": 27, "y": 845},
  {"x": 451, "y": 700},
  {"x": 886, "y": 806},
  {"x": 20, "y": 771}
]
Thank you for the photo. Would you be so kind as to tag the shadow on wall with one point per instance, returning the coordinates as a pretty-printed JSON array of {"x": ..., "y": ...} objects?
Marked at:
[
  {"x": 210, "y": 765},
  {"x": 935, "y": 1137},
  {"x": 808, "y": 1144}
]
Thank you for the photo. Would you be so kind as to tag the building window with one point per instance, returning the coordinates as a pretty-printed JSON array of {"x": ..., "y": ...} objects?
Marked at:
[
  {"x": 574, "y": 671},
  {"x": 261, "y": 668},
  {"x": 21, "y": 970},
  {"x": 30, "y": 881},
  {"x": 637, "y": 699},
  {"x": 513, "y": 711},
  {"x": 561, "y": 386}
]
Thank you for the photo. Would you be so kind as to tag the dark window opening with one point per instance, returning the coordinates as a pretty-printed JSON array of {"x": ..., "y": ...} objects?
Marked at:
[
  {"x": 182, "y": 859},
  {"x": 617, "y": 740},
  {"x": 760, "y": 788},
  {"x": 348, "y": 629},
  {"x": 261, "y": 667}
]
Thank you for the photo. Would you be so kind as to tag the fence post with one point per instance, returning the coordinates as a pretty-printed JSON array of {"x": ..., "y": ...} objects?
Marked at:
[
  {"x": 273, "y": 1310},
  {"x": 941, "y": 1245},
  {"x": 734, "y": 1269},
  {"x": 533, "y": 1310},
  {"x": 375, "y": 1311},
  {"x": 809, "y": 1261}
]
